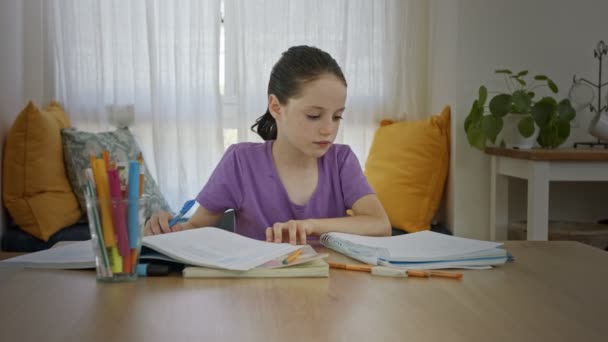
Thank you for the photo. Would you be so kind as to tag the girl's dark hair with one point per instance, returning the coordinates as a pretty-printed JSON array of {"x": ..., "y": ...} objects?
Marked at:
[{"x": 297, "y": 66}]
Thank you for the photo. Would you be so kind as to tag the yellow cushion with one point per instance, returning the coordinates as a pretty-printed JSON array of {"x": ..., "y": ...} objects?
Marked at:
[
  {"x": 35, "y": 188},
  {"x": 407, "y": 166}
]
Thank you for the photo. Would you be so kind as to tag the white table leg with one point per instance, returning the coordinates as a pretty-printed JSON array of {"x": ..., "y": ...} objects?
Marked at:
[
  {"x": 538, "y": 201},
  {"x": 499, "y": 203}
]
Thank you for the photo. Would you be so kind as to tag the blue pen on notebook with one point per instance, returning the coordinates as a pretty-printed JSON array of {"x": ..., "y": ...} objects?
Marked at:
[{"x": 187, "y": 206}]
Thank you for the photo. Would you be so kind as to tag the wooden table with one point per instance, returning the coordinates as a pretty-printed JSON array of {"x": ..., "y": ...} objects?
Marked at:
[
  {"x": 539, "y": 167},
  {"x": 554, "y": 291}
]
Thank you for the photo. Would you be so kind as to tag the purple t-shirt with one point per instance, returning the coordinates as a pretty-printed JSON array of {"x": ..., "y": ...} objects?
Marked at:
[{"x": 247, "y": 181}]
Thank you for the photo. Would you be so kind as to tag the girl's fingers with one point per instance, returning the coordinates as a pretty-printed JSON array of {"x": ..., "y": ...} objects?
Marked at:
[
  {"x": 268, "y": 234},
  {"x": 163, "y": 222},
  {"x": 302, "y": 233},
  {"x": 293, "y": 229},
  {"x": 277, "y": 229}
]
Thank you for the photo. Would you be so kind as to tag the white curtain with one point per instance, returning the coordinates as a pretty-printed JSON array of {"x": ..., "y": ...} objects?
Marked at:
[
  {"x": 162, "y": 57},
  {"x": 380, "y": 45}
]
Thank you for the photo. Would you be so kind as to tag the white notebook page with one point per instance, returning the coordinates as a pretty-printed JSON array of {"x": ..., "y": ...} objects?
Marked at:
[
  {"x": 423, "y": 246},
  {"x": 214, "y": 247}
]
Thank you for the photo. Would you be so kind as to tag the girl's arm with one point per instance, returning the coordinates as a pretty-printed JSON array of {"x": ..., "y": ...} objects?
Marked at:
[
  {"x": 369, "y": 219},
  {"x": 201, "y": 218}
]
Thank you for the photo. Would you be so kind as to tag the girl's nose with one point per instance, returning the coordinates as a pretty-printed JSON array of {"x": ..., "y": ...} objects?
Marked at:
[{"x": 328, "y": 127}]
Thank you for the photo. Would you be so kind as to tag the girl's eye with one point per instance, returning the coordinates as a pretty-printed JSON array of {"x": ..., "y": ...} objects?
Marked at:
[
  {"x": 313, "y": 116},
  {"x": 337, "y": 118}
]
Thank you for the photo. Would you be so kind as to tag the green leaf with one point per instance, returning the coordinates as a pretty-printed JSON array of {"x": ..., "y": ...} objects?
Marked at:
[
  {"x": 504, "y": 71},
  {"x": 500, "y": 105},
  {"x": 563, "y": 130},
  {"x": 552, "y": 86},
  {"x": 520, "y": 81},
  {"x": 491, "y": 126},
  {"x": 483, "y": 95},
  {"x": 476, "y": 137},
  {"x": 522, "y": 73},
  {"x": 531, "y": 94},
  {"x": 474, "y": 115},
  {"x": 540, "y": 77},
  {"x": 547, "y": 136},
  {"x": 522, "y": 101},
  {"x": 550, "y": 100},
  {"x": 565, "y": 110},
  {"x": 542, "y": 111},
  {"x": 526, "y": 126}
]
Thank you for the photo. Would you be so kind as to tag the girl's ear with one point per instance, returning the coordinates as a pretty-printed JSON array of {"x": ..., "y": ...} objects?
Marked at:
[{"x": 274, "y": 107}]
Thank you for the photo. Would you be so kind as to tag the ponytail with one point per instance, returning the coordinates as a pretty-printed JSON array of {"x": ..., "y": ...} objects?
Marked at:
[{"x": 266, "y": 126}]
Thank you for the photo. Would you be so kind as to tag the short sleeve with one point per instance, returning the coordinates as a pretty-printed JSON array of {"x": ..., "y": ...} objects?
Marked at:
[
  {"x": 223, "y": 189},
  {"x": 353, "y": 181}
]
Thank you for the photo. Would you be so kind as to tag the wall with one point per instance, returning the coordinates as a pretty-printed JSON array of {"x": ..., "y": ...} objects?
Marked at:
[
  {"x": 11, "y": 70},
  {"x": 472, "y": 38}
]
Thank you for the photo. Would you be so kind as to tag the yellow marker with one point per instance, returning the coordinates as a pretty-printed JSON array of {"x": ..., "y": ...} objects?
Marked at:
[
  {"x": 103, "y": 197},
  {"x": 116, "y": 260}
]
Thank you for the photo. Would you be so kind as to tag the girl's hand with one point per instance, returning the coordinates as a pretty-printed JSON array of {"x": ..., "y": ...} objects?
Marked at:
[
  {"x": 158, "y": 224},
  {"x": 293, "y": 231}
]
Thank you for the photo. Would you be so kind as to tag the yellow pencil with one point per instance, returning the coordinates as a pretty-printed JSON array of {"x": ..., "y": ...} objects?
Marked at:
[{"x": 291, "y": 257}]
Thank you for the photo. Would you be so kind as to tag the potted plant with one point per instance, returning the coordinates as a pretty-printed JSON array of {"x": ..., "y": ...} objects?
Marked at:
[{"x": 519, "y": 115}]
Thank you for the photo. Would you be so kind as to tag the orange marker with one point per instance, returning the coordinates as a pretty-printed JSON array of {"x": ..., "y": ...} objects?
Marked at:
[
  {"x": 140, "y": 159},
  {"x": 106, "y": 159},
  {"x": 91, "y": 160},
  {"x": 134, "y": 258}
]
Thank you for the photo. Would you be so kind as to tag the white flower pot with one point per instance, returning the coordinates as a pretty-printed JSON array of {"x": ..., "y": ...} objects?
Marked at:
[{"x": 512, "y": 137}]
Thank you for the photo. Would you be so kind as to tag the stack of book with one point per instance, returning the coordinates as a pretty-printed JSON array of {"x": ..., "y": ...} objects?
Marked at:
[{"x": 421, "y": 250}]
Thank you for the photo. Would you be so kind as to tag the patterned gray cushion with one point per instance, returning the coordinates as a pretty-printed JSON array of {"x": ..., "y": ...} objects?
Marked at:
[{"x": 78, "y": 146}]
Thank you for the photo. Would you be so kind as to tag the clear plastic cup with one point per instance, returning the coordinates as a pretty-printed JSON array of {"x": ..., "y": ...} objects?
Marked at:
[{"x": 116, "y": 227}]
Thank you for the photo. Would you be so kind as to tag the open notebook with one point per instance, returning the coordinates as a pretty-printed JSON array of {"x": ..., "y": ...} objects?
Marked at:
[
  {"x": 421, "y": 250},
  {"x": 207, "y": 247},
  {"x": 309, "y": 264}
]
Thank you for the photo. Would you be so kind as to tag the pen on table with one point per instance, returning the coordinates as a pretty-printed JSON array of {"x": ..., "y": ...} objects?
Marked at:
[
  {"x": 397, "y": 271},
  {"x": 292, "y": 256},
  {"x": 440, "y": 274},
  {"x": 351, "y": 267},
  {"x": 187, "y": 206}
]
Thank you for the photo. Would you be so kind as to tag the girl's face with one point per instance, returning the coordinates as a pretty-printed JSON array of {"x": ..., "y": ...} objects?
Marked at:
[{"x": 310, "y": 121}]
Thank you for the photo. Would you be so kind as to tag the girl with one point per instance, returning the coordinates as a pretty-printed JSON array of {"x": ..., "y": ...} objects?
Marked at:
[{"x": 297, "y": 183}]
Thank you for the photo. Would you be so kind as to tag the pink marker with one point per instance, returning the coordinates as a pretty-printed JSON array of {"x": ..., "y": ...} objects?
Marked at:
[{"x": 119, "y": 213}]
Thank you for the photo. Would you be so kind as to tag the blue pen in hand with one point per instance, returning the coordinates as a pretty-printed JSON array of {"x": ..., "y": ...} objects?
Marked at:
[{"x": 187, "y": 206}]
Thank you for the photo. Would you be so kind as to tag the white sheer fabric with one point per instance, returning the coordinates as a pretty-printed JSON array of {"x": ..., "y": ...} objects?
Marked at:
[
  {"x": 162, "y": 57},
  {"x": 380, "y": 45}
]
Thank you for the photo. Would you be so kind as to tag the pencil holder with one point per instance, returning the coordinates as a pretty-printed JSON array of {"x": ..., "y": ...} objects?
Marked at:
[{"x": 116, "y": 227}]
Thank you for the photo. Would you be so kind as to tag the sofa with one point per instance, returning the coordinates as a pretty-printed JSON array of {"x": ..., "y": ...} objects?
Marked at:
[{"x": 407, "y": 167}]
